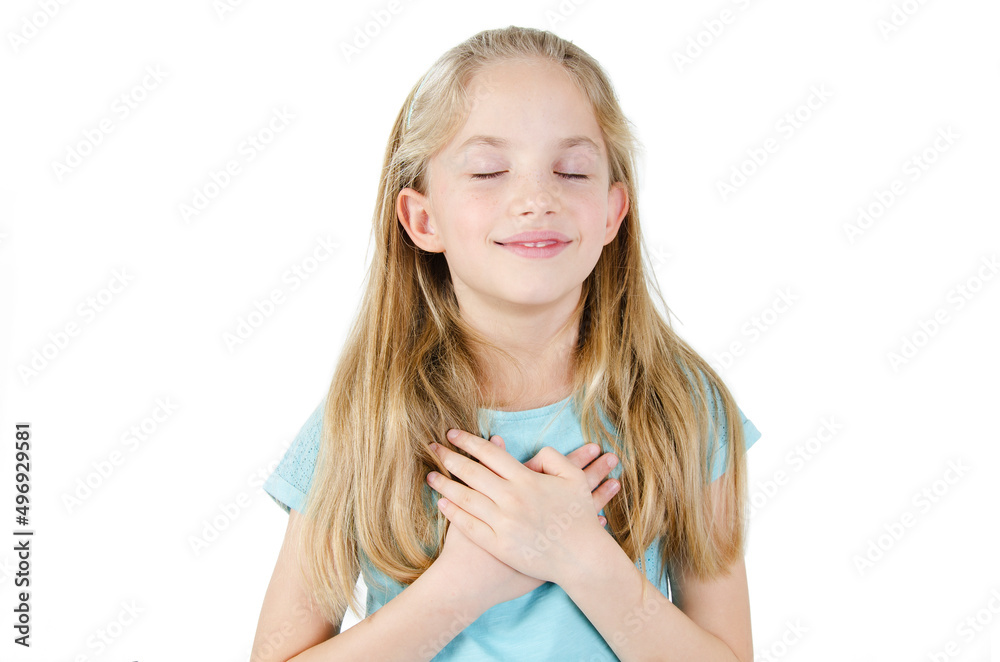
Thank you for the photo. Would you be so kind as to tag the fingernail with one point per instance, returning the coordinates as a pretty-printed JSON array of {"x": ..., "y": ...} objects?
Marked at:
[
  {"x": 614, "y": 486},
  {"x": 452, "y": 434}
]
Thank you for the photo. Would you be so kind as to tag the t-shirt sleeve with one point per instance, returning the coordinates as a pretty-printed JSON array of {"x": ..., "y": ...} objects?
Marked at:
[
  {"x": 750, "y": 436},
  {"x": 719, "y": 456},
  {"x": 289, "y": 483}
]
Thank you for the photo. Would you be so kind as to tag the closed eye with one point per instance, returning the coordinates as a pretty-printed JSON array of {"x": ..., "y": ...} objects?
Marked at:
[{"x": 491, "y": 175}]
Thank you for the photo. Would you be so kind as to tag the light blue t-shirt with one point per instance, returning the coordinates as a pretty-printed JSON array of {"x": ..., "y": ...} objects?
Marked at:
[{"x": 544, "y": 624}]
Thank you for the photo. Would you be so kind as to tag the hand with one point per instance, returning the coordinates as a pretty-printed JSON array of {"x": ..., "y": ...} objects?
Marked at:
[
  {"x": 494, "y": 581},
  {"x": 535, "y": 522}
]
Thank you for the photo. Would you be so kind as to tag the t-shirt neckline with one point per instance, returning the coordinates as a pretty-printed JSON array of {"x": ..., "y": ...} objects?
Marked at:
[{"x": 527, "y": 413}]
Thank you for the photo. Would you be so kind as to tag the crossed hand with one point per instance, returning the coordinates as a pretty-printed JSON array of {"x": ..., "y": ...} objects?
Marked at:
[{"x": 516, "y": 526}]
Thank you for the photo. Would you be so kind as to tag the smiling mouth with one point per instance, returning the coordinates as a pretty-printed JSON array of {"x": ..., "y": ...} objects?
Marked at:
[
  {"x": 546, "y": 248},
  {"x": 532, "y": 244}
]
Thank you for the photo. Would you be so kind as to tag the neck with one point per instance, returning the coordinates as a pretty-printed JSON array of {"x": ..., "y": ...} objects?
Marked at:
[{"x": 541, "y": 342}]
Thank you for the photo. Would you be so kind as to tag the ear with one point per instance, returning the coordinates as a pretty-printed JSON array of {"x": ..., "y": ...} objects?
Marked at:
[
  {"x": 618, "y": 204},
  {"x": 412, "y": 210}
]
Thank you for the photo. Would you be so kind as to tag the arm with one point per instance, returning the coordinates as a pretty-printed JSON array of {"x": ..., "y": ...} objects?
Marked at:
[
  {"x": 507, "y": 510},
  {"x": 415, "y": 625},
  {"x": 287, "y": 624},
  {"x": 710, "y": 623}
]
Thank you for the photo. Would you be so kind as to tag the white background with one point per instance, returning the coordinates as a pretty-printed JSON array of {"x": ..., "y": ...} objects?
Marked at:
[{"x": 721, "y": 262}]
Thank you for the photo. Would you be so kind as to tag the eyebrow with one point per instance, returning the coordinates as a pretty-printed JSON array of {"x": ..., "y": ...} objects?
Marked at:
[{"x": 565, "y": 143}]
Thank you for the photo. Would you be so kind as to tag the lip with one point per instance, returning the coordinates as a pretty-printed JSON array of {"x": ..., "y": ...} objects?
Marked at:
[
  {"x": 527, "y": 251},
  {"x": 536, "y": 235}
]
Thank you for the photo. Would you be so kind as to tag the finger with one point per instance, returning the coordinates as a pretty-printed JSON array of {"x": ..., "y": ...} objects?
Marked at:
[
  {"x": 489, "y": 454},
  {"x": 472, "y": 473},
  {"x": 579, "y": 458},
  {"x": 583, "y": 458},
  {"x": 604, "y": 493},
  {"x": 474, "y": 503},
  {"x": 552, "y": 462},
  {"x": 599, "y": 469},
  {"x": 474, "y": 529}
]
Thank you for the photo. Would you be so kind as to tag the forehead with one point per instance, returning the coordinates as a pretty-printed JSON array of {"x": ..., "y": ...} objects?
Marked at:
[{"x": 527, "y": 102}]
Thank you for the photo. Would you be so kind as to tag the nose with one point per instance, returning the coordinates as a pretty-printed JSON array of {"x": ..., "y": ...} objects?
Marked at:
[{"x": 533, "y": 193}]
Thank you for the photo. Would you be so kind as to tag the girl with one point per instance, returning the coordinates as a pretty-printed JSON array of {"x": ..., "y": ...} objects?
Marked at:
[{"x": 506, "y": 338}]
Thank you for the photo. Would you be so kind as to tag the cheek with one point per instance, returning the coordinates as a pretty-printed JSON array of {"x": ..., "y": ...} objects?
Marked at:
[
  {"x": 476, "y": 216},
  {"x": 591, "y": 206},
  {"x": 597, "y": 220}
]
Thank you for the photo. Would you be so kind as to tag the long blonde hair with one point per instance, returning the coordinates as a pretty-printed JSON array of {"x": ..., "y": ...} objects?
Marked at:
[{"x": 411, "y": 368}]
